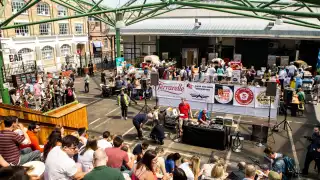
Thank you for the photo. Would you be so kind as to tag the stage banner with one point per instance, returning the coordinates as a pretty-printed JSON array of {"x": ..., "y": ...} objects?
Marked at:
[
  {"x": 244, "y": 96},
  {"x": 263, "y": 101},
  {"x": 201, "y": 92},
  {"x": 223, "y": 94},
  {"x": 171, "y": 89}
]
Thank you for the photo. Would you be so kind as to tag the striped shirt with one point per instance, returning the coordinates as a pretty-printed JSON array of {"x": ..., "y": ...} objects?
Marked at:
[{"x": 9, "y": 146}]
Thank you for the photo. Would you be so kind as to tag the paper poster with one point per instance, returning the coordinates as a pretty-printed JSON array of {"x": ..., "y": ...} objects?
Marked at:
[
  {"x": 236, "y": 76},
  {"x": 284, "y": 61},
  {"x": 263, "y": 101},
  {"x": 272, "y": 60},
  {"x": 244, "y": 96},
  {"x": 223, "y": 94},
  {"x": 202, "y": 92},
  {"x": 173, "y": 89},
  {"x": 237, "y": 57}
]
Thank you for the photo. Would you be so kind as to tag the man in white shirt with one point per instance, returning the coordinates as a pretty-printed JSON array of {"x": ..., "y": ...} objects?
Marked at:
[
  {"x": 104, "y": 143},
  {"x": 282, "y": 76},
  {"x": 59, "y": 162},
  {"x": 229, "y": 71},
  {"x": 187, "y": 170},
  {"x": 292, "y": 69},
  {"x": 211, "y": 72}
]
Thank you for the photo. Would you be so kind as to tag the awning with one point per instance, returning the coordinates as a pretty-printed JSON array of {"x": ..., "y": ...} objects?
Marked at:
[{"x": 97, "y": 44}]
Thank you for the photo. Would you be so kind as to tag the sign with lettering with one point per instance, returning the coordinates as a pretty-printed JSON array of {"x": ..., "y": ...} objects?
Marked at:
[{"x": 223, "y": 94}]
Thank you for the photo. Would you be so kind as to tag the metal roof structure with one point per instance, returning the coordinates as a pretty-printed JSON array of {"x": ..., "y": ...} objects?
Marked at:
[
  {"x": 218, "y": 27},
  {"x": 135, "y": 11}
]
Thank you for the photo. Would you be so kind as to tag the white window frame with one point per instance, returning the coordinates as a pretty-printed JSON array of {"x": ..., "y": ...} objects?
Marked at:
[
  {"x": 43, "y": 9},
  {"x": 62, "y": 11},
  {"x": 43, "y": 31},
  {"x": 65, "y": 50},
  {"x": 77, "y": 27},
  {"x": 61, "y": 28},
  {"x": 25, "y": 51},
  {"x": 16, "y": 5},
  {"x": 22, "y": 30},
  {"x": 106, "y": 43},
  {"x": 47, "y": 53}
]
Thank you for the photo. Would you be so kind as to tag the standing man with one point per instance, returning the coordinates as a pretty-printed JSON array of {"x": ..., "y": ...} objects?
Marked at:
[
  {"x": 282, "y": 76},
  {"x": 86, "y": 83},
  {"x": 139, "y": 120},
  {"x": 185, "y": 111},
  {"x": 90, "y": 65},
  {"x": 123, "y": 102},
  {"x": 37, "y": 95},
  {"x": 312, "y": 150}
]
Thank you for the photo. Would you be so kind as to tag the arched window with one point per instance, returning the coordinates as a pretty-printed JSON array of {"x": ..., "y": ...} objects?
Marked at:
[
  {"x": 65, "y": 49},
  {"x": 62, "y": 11},
  {"x": 43, "y": 8},
  {"x": 16, "y": 5},
  {"x": 47, "y": 52},
  {"x": 24, "y": 51}
]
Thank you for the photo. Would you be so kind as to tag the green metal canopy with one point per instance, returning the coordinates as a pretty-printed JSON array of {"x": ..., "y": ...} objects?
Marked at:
[{"x": 134, "y": 11}]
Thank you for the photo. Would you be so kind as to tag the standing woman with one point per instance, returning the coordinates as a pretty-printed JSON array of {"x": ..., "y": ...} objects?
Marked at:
[
  {"x": 57, "y": 96},
  {"x": 62, "y": 89},
  {"x": 145, "y": 168}
]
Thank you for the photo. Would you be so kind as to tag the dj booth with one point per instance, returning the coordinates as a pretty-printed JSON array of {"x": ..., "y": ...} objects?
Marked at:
[{"x": 205, "y": 137}]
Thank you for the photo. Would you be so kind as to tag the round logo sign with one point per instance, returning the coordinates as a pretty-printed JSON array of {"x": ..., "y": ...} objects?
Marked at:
[
  {"x": 244, "y": 96},
  {"x": 224, "y": 95}
]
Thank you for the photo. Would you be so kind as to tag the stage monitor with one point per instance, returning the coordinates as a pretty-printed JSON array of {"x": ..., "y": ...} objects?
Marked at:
[{"x": 154, "y": 79}]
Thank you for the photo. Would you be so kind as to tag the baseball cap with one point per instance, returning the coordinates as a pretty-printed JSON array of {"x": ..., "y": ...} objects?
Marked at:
[
  {"x": 274, "y": 176},
  {"x": 264, "y": 167}
]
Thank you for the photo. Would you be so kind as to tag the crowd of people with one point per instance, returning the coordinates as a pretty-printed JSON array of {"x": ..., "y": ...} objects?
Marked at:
[
  {"x": 44, "y": 95},
  {"x": 81, "y": 156}
]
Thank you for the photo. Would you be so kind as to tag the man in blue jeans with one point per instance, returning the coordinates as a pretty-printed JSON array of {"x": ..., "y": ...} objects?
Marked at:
[{"x": 139, "y": 120}]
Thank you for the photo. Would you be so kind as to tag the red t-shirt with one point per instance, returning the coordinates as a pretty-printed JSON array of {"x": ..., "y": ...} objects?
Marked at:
[
  {"x": 116, "y": 157},
  {"x": 184, "y": 109}
]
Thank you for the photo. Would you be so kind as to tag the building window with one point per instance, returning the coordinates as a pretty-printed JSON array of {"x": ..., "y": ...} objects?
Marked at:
[
  {"x": 106, "y": 42},
  {"x": 16, "y": 5},
  {"x": 62, "y": 11},
  {"x": 45, "y": 29},
  {"x": 65, "y": 49},
  {"x": 22, "y": 30},
  {"x": 43, "y": 9},
  {"x": 47, "y": 53},
  {"x": 79, "y": 28},
  {"x": 24, "y": 51},
  {"x": 63, "y": 28}
]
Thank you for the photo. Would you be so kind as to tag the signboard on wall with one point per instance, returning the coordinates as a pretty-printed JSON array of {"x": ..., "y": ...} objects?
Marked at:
[
  {"x": 272, "y": 60},
  {"x": 236, "y": 76},
  {"x": 263, "y": 101},
  {"x": 223, "y": 94},
  {"x": 284, "y": 60},
  {"x": 237, "y": 57},
  {"x": 244, "y": 96},
  {"x": 202, "y": 92}
]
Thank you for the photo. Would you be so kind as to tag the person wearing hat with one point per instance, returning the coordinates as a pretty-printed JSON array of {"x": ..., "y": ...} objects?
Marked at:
[
  {"x": 240, "y": 173},
  {"x": 123, "y": 102},
  {"x": 274, "y": 175}
]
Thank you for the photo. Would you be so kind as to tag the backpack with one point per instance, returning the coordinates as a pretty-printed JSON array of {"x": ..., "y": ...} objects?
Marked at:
[
  {"x": 70, "y": 93},
  {"x": 290, "y": 170}
]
